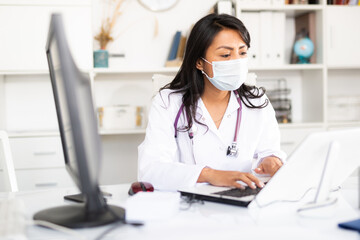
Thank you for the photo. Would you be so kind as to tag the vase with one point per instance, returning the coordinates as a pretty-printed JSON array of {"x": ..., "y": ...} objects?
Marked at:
[{"x": 101, "y": 58}]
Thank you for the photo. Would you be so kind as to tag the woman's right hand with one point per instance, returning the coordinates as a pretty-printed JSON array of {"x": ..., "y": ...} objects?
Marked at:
[{"x": 228, "y": 178}]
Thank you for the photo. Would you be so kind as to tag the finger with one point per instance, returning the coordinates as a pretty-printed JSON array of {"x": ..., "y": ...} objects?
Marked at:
[
  {"x": 247, "y": 181},
  {"x": 255, "y": 180},
  {"x": 259, "y": 170},
  {"x": 238, "y": 185}
]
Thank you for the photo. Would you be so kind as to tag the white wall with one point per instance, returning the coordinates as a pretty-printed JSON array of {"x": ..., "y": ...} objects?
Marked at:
[{"x": 144, "y": 36}]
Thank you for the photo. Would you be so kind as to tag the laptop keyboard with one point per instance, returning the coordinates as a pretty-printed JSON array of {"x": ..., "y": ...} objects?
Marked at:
[{"x": 238, "y": 192}]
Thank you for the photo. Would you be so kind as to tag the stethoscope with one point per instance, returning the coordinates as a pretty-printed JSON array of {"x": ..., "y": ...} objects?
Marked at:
[{"x": 232, "y": 150}]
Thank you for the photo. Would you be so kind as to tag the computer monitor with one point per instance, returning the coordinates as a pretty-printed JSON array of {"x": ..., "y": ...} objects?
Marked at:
[{"x": 79, "y": 137}]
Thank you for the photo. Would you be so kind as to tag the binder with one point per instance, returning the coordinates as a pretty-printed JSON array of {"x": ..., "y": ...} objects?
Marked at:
[
  {"x": 278, "y": 2},
  {"x": 266, "y": 38},
  {"x": 224, "y": 7},
  {"x": 264, "y": 3},
  {"x": 278, "y": 38},
  {"x": 247, "y": 3},
  {"x": 251, "y": 21}
]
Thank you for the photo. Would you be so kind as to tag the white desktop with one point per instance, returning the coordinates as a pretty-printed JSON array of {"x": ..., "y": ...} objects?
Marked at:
[{"x": 199, "y": 220}]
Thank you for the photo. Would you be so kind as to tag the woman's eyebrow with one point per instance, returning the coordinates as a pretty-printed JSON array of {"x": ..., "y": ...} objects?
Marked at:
[{"x": 230, "y": 48}]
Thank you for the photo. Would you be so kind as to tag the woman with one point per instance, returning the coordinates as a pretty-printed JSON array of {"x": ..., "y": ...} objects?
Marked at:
[{"x": 206, "y": 125}]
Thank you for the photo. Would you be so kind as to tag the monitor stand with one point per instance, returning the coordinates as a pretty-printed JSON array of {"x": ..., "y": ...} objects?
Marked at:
[
  {"x": 80, "y": 197},
  {"x": 77, "y": 216}
]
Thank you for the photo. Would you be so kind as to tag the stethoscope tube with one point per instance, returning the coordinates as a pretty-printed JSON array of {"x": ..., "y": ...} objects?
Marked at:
[{"x": 232, "y": 150}]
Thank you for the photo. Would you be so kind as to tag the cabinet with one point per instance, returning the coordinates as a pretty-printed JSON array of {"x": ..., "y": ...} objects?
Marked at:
[
  {"x": 25, "y": 91},
  {"x": 39, "y": 162},
  {"x": 26, "y": 100}
]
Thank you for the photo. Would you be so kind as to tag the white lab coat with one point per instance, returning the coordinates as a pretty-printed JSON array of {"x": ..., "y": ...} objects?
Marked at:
[{"x": 170, "y": 163}]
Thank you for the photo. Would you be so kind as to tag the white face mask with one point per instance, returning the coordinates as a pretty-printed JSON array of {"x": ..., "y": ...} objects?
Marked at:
[{"x": 228, "y": 75}]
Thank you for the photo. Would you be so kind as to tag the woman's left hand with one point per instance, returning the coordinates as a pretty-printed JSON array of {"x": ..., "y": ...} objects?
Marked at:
[{"x": 269, "y": 165}]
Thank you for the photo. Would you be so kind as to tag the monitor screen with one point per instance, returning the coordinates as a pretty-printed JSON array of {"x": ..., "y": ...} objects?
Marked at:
[{"x": 79, "y": 137}]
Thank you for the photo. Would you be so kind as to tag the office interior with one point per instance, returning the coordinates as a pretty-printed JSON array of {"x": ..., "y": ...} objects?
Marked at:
[{"x": 320, "y": 94}]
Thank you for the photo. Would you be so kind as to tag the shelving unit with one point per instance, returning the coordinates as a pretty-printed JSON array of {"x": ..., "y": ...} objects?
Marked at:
[{"x": 337, "y": 70}]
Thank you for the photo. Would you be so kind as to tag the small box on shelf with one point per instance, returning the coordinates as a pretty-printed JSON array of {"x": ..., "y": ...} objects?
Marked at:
[
  {"x": 121, "y": 117},
  {"x": 344, "y": 108}
]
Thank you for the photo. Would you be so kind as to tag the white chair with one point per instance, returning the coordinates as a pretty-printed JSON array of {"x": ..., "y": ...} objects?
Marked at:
[
  {"x": 7, "y": 163},
  {"x": 160, "y": 80}
]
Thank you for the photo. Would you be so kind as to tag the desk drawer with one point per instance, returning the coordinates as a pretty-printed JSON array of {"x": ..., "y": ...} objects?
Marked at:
[
  {"x": 42, "y": 179},
  {"x": 291, "y": 138},
  {"x": 37, "y": 152}
]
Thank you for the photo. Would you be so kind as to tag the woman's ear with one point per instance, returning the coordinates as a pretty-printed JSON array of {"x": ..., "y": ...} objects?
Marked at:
[{"x": 199, "y": 64}]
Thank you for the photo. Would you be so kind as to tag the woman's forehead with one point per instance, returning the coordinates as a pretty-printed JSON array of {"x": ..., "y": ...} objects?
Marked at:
[{"x": 227, "y": 37}]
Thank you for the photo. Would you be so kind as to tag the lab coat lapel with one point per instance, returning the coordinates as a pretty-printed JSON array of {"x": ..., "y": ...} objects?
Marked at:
[
  {"x": 232, "y": 106},
  {"x": 207, "y": 120}
]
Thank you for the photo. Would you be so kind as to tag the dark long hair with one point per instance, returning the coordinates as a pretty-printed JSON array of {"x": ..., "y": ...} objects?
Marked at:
[{"x": 189, "y": 80}]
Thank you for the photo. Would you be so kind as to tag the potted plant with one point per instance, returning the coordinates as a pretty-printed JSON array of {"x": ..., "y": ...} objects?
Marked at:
[{"x": 101, "y": 56}]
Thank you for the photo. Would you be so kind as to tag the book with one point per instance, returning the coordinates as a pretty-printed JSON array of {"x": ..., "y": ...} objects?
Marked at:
[
  {"x": 181, "y": 48},
  {"x": 174, "y": 46}
]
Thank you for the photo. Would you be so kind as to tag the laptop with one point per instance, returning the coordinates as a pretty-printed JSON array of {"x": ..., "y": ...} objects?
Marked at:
[{"x": 304, "y": 170}]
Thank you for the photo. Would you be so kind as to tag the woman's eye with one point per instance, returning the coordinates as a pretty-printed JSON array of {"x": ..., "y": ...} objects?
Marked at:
[
  {"x": 243, "y": 53},
  {"x": 225, "y": 55}
]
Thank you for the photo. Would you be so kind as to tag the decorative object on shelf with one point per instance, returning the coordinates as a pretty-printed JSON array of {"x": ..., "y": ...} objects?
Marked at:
[
  {"x": 304, "y": 49},
  {"x": 101, "y": 58},
  {"x": 158, "y": 5},
  {"x": 105, "y": 36},
  {"x": 305, "y": 27},
  {"x": 279, "y": 98}
]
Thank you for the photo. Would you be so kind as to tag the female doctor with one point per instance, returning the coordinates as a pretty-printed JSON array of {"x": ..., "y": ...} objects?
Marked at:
[{"x": 207, "y": 125}]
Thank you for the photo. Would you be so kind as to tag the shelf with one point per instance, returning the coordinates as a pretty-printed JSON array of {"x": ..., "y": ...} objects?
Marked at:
[
  {"x": 33, "y": 134},
  {"x": 343, "y": 67},
  {"x": 56, "y": 133},
  {"x": 290, "y": 10},
  {"x": 288, "y": 67},
  {"x": 136, "y": 70},
  {"x": 301, "y": 125},
  {"x": 289, "y": 7},
  {"x": 176, "y": 69},
  {"x": 344, "y": 124},
  {"x": 46, "y": 2},
  {"x": 122, "y": 131},
  {"x": 24, "y": 72}
]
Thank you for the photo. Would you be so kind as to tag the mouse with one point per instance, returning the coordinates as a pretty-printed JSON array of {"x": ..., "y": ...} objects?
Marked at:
[{"x": 140, "y": 187}]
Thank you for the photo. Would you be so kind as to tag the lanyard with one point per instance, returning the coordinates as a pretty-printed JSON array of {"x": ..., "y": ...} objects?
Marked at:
[{"x": 232, "y": 150}]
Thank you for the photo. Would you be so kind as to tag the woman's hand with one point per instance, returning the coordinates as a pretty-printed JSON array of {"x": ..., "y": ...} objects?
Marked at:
[
  {"x": 269, "y": 165},
  {"x": 228, "y": 178}
]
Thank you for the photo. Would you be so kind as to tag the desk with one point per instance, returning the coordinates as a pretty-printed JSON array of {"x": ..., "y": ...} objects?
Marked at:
[{"x": 207, "y": 221}]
